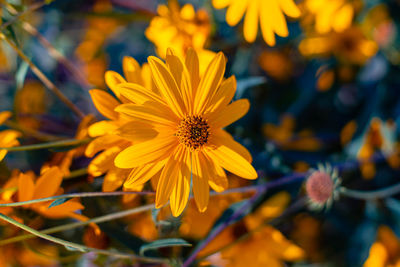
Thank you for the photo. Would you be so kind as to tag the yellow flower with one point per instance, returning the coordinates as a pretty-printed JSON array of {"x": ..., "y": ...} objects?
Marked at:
[
  {"x": 385, "y": 252},
  {"x": 180, "y": 28},
  {"x": 350, "y": 45},
  {"x": 270, "y": 13},
  {"x": 8, "y": 138},
  {"x": 27, "y": 187},
  {"x": 331, "y": 15},
  {"x": 265, "y": 246},
  {"x": 105, "y": 132},
  {"x": 183, "y": 124}
]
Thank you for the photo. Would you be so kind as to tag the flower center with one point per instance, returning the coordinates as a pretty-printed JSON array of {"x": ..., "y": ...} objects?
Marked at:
[{"x": 193, "y": 132}]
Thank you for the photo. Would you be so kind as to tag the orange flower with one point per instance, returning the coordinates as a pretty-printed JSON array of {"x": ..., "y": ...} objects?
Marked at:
[{"x": 8, "y": 138}]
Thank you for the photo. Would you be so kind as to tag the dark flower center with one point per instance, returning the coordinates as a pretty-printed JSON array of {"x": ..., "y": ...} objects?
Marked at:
[{"x": 193, "y": 132}]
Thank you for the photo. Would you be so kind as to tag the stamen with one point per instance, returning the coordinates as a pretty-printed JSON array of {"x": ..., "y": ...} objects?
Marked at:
[{"x": 193, "y": 132}]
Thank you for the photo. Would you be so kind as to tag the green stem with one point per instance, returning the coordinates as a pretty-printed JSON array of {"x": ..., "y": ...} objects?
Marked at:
[
  {"x": 76, "y": 246},
  {"x": 55, "y": 144},
  {"x": 73, "y": 195},
  {"x": 369, "y": 195},
  {"x": 76, "y": 173},
  {"x": 69, "y": 226}
]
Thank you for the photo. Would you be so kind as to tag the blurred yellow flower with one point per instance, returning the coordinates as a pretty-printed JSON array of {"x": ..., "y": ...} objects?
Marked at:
[
  {"x": 25, "y": 187},
  {"x": 350, "y": 46},
  {"x": 183, "y": 127},
  {"x": 269, "y": 13},
  {"x": 30, "y": 102},
  {"x": 8, "y": 138},
  {"x": 385, "y": 252},
  {"x": 180, "y": 28},
  {"x": 265, "y": 245},
  {"x": 106, "y": 132},
  {"x": 336, "y": 15}
]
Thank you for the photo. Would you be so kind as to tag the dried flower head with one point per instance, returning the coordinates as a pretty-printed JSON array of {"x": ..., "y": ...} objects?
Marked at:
[{"x": 321, "y": 187}]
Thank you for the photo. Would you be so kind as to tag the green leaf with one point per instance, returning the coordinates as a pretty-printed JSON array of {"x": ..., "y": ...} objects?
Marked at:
[
  {"x": 162, "y": 243},
  {"x": 58, "y": 202},
  {"x": 21, "y": 74}
]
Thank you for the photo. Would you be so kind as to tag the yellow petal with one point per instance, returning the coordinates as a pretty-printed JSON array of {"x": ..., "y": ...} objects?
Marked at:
[
  {"x": 132, "y": 70},
  {"x": 222, "y": 136},
  {"x": 218, "y": 4},
  {"x": 235, "y": 11},
  {"x": 201, "y": 190},
  {"x": 231, "y": 160},
  {"x": 180, "y": 193},
  {"x": 114, "y": 179},
  {"x": 112, "y": 80},
  {"x": 151, "y": 112},
  {"x": 192, "y": 65},
  {"x": 167, "y": 86},
  {"x": 210, "y": 82},
  {"x": 60, "y": 211},
  {"x": 101, "y": 143},
  {"x": 4, "y": 115},
  {"x": 137, "y": 131},
  {"x": 48, "y": 183},
  {"x": 169, "y": 177},
  {"x": 104, "y": 161},
  {"x": 289, "y": 8},
  {"x": 142, "y": 174},
  {"x": 251, "y": 21},
  {"x": 224, "y": 94},
  {"x": 102, "y": 128},
  {"x": 267, "y": 23},
  {"x": 26, "y": 187},
  {"x": 229, "y": 114},
  {"x": 343, "y": 18},
  {"x": 146, "y": 152},
  {"x": 217, "y": 179},
  {"x": 136, "y": 93},
  {"x": 274, "y": 206},
  {"x": 104, "y": 103}
]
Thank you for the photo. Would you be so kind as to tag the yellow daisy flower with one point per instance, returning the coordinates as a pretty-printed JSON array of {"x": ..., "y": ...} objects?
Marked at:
[
  {"x": 184, "y": 122},
  {"x": 386, "y": 249},
  {"x": 180, "y": 28},
  {"x": 106, "y": 141},
  {"x": 8, "y": 138},
  {"x": 269, "y": 13}
]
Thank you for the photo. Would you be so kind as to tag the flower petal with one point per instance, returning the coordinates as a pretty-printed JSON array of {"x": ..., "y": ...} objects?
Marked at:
[
  {"x": 217, "y": 179},
  {"x": 229, "y": 114},
  {"x": 224, "y": 94},
  {"x": 114, "y": 179},
  {"x": 104, "y": 103},
  {"x": 102, "y": 128},
  {"x": 201, "y": 190},
  {"x": 209, "y": 82},
  {"x": 112, "y": 80},
  {"x": 137, "y": 131},
  {"x": 167, "y": 86},
  {"x": 103, "y": 161},
  {"x": 290, "y": 8},
  {"x": 142, "y": 174},
  {"x": 132, "y": 70},
  {"x": 235, "y": 11},
  {"x": 169, "y": 177},
  {"x": 192, "y": 65},
  {"x": 138, "y": 94},
  {"x": 151, "y": 112},
  {"x": 230, "y": 159},
  {"x": 26, "y": 187},
  {"x": 146, "y": 152},
  {"x": 218, "y": 4},
  {"x": 103, "y": 142},
  {"x": 180, "y": 193},
  {"x": 251, "y": 21},
  {"x": 48, "y": 183}
]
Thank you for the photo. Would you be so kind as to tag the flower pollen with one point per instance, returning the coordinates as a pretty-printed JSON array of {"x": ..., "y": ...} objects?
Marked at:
[
  {"x": 193, "y": 132},
  {"x": 319, "y": 187}
]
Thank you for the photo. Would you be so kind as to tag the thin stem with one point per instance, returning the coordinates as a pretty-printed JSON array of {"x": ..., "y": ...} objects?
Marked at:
[
  {"x": 41, "y": 76},
  {"x": 30, "y": 132},
  {"x": 369, "y": 195},
  {"x": 55, "y": 144},
  {"x": 76, "y": 246},
  {"x": 17, "y": 15},
  {"x": 73, "y": 195},
  {"x": 70, "y": 226},
  {"x": 76, "y": 173}
]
